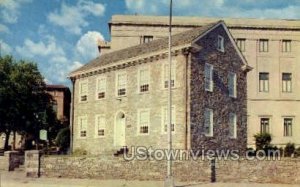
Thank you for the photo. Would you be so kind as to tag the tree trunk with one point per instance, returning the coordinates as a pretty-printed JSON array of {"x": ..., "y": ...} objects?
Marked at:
[
  {"x": 7, "y": 134},
  {"x": 14, "y": 141}
]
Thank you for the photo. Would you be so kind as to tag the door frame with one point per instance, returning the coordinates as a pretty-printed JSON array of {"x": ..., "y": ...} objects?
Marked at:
[{"x": 116, "y": 125}]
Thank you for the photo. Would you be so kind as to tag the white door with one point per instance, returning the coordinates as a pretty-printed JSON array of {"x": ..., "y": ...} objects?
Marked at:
[{"x": 120, "y": 130}]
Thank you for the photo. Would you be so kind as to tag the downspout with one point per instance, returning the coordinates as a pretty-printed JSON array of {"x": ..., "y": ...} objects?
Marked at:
[{"x": 73, "y": 79}]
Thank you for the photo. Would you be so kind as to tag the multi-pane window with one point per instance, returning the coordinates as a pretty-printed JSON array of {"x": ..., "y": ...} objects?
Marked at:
[
  {"x": 166, "y": 75},
  {"x": 147, "y": 39},
  {"x": 144, "y": 116},
  {"x": 165, "y": 115},
  {"x": 208, "y": 122},
  {"x": 232, "y": 125},
  {"x": 263, "y": 45},
  {"x": 101, "y": 87},
  {"x": 208, "y": 77},
  {"x": 82, "y": 126},
  {"x": 121, "y": 84},
  {"x": 220, "y": 43},
  {"x": 100, "y": 126},
  {"x": 288, "y": 124},
  {"x": 286, "y": 46},
  {"x": 286, "y": 82},
  {"x": 232, "y": 84},
  {"x": 264, "y": 125},
  {"x": 83, "y": 90},
  {"x": 144, "y": 79},
  {"x": 241, "y": 43},
  {"x": 264, "y": 82}
]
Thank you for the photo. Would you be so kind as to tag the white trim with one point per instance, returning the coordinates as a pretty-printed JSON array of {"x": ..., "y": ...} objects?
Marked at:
[
  {"x": 234, "y": 95},
  {"x": 211, "y": 78},
  {"x": 97, "y": 87},
  {"x": 79, "y": 118},
  {"x": 174, "y": 68},
  {"x": 115, "y": 126},
  {"x": 234, "y": 125},
  {"x": 211, "y": 125},
  {"x": 117, "y": 83},
  {"x": 96, "y": 135},
  {"x": 85, "y": 81},
  {"x": 138, "y": 121},
  {"x": 220, "y": 46},
  {"x": 146, "y": 67},
  {"x": 163, "y": 114}
]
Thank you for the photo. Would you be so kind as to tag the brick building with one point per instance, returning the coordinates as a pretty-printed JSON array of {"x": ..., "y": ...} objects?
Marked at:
[
  {"x": 61, "y": 101},
  {"x": 120, "y": 98}
]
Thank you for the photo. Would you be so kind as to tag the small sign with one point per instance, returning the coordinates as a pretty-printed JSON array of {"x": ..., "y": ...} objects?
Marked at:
[{"x": 43, "y": 135}]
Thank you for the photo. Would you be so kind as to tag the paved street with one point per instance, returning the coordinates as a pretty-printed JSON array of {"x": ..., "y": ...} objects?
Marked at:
[{"x": 17, "y": 179}]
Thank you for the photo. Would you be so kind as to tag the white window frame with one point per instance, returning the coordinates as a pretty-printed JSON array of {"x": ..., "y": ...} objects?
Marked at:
[
  {"x": 232, "y": 91},
  {"x": 97, "y": 125},
  {"x": 147, "y": 82},
  {"x": 269, "y": 124},
  {"x": 139, "y": 121},
  {"x": 208, "y": 78},
  {"x": 233, "y": 125},
  {"x": 220, "y": 43},
  {"x": 118, "y": 87},
  {"x": 82, "y": 127},
  {"x": 263, "y": 45},
  {"x": 98, "y": 85},
  {"x": 165, "y": 75},
  {"x": 165, "y": 122},
  {"x": 286, "y": 46},
  {"x": 292, "y": 124},
  {"x": 211, "y": 120},
  {"x": 263, "y": 85},
  {"x": 287, "y": 84},
  {"x": 241, "y": 43},
  {"x": 80, "y": 90}
]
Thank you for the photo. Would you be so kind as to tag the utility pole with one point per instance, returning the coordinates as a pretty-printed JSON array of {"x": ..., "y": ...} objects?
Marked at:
[{"x": 169, "y": 182}]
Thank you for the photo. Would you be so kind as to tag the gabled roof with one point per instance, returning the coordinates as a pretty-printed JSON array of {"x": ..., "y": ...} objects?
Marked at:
[{"x": 180, "y": 39}]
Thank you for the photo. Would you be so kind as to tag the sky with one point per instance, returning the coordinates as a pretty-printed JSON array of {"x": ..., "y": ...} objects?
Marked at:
[{"x": 62, "y": 35}]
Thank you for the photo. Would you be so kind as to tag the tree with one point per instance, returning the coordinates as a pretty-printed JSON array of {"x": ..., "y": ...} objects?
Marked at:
[
  {"x": 25, "y": 106},
  {"x": 262, "y": 140}
]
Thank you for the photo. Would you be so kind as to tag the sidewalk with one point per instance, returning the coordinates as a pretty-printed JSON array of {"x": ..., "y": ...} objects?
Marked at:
[{"x": 17, "y": 179}]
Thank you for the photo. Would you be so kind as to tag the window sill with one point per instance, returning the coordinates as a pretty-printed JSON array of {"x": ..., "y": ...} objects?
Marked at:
[
  {"x": 145, "y": 134},
  {"x": 99, "y": 137}
]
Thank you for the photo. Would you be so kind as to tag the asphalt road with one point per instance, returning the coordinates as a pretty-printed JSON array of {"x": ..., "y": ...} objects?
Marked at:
[{"x": 18, "y": 179}]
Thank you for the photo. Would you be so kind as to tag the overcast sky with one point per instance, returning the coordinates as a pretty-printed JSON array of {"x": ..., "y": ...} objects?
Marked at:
[{"x": 61, "y": 35}]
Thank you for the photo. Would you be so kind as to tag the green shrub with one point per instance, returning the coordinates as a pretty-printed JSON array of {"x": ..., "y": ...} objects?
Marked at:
[
  {"x": 297, "y": 152},
  {"x": 79, "y": 152},
  {"x": 63, "y": 139},
  {"x": 262, "y": 140},
  {"x": 289, "y": 149}
]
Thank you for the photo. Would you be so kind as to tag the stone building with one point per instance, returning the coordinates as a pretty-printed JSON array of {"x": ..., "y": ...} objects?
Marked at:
[
  {"x": 271, "y": 47},
  {"x": 120, "y": 98},
  {"x": 61, "y": 101}
]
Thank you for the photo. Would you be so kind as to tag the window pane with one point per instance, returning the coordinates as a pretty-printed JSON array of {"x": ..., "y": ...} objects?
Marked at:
[{"x": 264, "y": 123}]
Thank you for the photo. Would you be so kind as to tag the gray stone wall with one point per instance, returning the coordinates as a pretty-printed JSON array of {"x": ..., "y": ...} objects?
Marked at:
[
  {"x": 285, "y": 170},
  {"x": 11, "y": 160},
  {"x": 155, "y": 100},
  {"x": 218, "y": 100}
]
